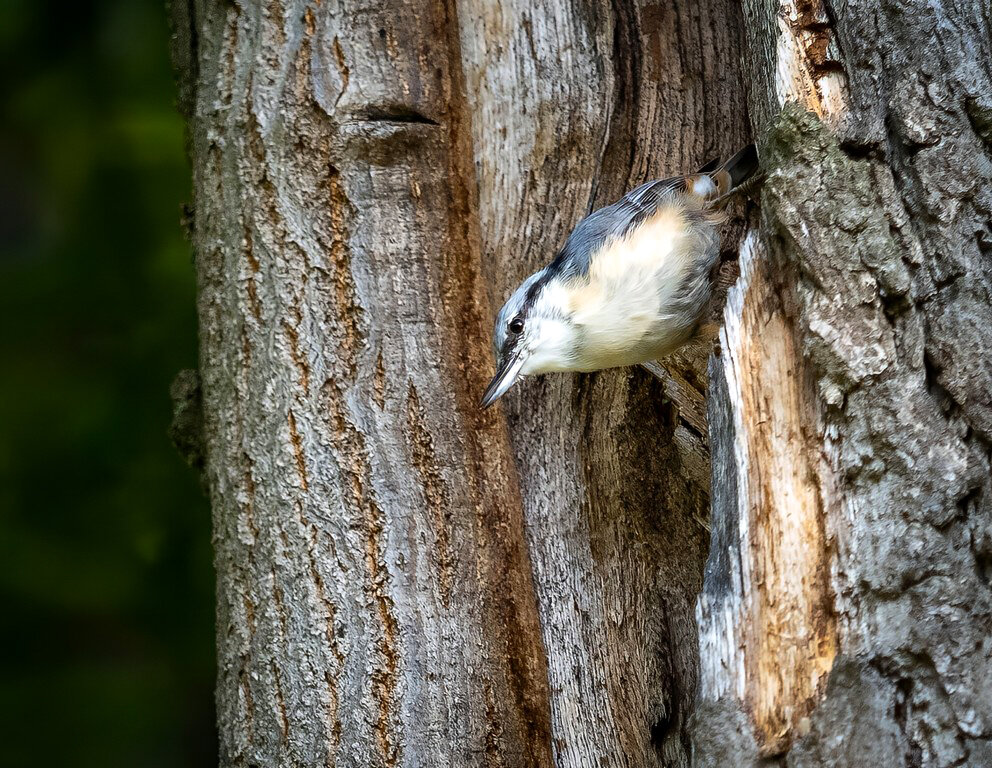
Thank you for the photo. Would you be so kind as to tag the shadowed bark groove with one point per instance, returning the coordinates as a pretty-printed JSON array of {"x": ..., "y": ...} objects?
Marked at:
[{"x": 573, "y": 104}]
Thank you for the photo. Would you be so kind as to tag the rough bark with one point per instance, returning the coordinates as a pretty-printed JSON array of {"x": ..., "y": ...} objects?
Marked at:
[
  {"x": 375, "y": 607},
  {"x": 845, "y": 617},
  {"x": 343, "y": 343}
]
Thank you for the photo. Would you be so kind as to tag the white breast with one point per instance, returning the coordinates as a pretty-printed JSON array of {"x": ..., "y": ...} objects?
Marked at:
[{"x": 627, "y": 307}]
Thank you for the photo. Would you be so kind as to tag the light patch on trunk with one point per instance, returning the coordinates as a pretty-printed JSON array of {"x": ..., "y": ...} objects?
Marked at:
[
  {"x": 804, "y": 49},
  {"x": 768, "y": 632}
]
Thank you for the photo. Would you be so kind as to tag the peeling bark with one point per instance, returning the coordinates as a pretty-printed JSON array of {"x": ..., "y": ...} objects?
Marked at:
[{"x": 768, "y": 634}]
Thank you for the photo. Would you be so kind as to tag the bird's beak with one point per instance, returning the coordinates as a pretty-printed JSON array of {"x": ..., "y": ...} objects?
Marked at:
[{"x": 505, "y": 378}]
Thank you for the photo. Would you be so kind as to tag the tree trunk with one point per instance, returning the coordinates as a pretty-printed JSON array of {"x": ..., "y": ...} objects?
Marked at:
[
  {"x": 374, "y": 604},
  {"x": 405, "y": 580},
  {"x": 845, "y": 616}
]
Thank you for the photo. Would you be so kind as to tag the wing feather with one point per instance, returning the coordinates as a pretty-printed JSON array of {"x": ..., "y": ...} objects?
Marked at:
[
  {"x": 645, "y": 199},
  {"x": 612, "y": 221}
]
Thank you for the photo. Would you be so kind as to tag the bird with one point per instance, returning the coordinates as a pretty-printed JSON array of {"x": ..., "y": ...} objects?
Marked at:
[{"x": 629, "y": 286}]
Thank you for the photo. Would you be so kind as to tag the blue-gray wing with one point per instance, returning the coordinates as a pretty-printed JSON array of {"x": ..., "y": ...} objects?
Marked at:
[
  {"x": 613, "y": 221},
  {"x": 643, "y": 201}
]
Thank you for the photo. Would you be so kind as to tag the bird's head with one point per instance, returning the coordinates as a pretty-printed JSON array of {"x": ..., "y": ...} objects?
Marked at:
[{"x": 533, "y": 333}]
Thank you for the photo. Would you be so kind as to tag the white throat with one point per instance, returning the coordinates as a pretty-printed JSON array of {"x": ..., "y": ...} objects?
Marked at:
[{"x": 549, "y": 339}]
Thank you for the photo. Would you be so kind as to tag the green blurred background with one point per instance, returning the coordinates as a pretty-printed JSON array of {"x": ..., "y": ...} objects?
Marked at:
[{"x": 106, "y": 642}]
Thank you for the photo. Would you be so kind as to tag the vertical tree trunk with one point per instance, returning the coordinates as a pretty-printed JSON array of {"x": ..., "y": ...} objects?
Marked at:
[
  {"x": 403, "y": 580},
  {"x": 845, "y": 617},
  {"x": 375, "y": 606}
]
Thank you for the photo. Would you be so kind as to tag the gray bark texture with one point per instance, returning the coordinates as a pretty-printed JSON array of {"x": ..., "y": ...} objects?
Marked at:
[{"x": 570, "y": 579}]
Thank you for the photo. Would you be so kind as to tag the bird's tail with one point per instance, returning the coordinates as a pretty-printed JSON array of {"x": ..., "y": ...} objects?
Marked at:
[
  {"x": 737, "y": 171},
  {"x": 721, "y": 180},
  {"x": 741, "y": 166}
]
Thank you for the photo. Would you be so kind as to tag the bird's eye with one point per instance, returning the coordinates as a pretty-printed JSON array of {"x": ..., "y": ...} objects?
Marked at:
[{"x": 516, "y": 325}]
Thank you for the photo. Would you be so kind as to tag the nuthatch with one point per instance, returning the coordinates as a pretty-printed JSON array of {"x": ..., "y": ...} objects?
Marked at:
[{"x": 629, "y": 286}]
